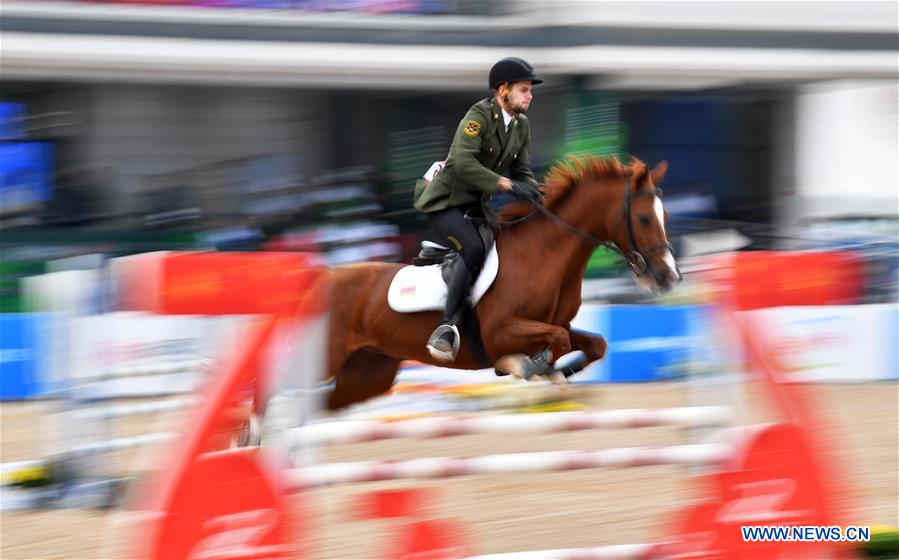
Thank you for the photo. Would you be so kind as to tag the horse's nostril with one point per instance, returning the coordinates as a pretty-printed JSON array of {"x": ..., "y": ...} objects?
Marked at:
[{"x": 667, "y": 278}]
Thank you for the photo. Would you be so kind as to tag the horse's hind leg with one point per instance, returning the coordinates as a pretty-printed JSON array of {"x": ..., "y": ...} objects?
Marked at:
[{"x": 365, "y": 374}]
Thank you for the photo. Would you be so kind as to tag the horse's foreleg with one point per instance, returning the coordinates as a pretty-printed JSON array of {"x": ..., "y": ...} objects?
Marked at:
[
  {"x": 533, "y": 338},
  {"x": 529, "y": 337},
  {"x": 592, "y": 345}
]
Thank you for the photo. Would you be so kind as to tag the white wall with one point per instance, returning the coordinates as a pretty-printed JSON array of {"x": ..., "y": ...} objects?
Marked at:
[
  {"x": 851, "y": 15},
  {"x": 846, "y": 149}
]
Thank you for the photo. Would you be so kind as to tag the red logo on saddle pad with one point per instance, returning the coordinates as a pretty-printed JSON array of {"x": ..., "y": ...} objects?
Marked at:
[{"x": 407, "y": 291}]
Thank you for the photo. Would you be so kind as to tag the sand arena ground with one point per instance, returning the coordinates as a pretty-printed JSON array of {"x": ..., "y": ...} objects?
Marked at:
[{"x": 509, "y": 512}]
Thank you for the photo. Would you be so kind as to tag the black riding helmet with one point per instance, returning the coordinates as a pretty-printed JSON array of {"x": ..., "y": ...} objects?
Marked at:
[{"x": 512, "y": 69}]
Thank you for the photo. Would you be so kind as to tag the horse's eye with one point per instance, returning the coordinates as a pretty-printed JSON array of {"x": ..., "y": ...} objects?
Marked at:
[{"x": 644, "y": 219}]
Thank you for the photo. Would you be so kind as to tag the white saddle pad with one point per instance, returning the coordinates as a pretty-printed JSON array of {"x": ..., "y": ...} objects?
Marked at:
[{"x": 421, "y": 288}]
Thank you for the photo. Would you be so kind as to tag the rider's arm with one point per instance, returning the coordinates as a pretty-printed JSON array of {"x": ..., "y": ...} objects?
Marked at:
[
  {"x": 464, "y": 154},
  {"x": 521, "y": 167}
]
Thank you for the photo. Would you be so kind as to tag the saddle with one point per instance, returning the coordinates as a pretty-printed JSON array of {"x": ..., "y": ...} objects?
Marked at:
[{"x": 434, "y": 253}]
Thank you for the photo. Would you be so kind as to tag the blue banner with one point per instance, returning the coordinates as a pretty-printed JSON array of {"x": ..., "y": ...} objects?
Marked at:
[
  {"x": 26, "y": 175},
  {"x": 646, "y": 343},
  {"x": 19, "y": 373}
]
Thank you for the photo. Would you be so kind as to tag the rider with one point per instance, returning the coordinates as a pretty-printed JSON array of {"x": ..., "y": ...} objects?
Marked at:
[{"x": 489, "y": 153}]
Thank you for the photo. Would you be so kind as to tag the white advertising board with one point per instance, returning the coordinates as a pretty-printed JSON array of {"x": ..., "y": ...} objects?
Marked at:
[{"x": 832, "y": 343}]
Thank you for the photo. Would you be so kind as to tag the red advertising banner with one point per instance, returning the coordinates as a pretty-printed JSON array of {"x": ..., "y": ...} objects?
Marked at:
[
  {"x": 220, "y": 283},
  {"x": 762, "y": 279}
]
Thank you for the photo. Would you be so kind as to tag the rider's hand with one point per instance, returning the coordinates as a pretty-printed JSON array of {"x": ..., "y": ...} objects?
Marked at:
[
  {"x": 504, "y": 184},
  {"x": 525, "y": 191}
]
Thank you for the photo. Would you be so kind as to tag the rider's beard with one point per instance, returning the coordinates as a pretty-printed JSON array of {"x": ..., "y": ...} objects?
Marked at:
[{"x": 519, "y": 110}]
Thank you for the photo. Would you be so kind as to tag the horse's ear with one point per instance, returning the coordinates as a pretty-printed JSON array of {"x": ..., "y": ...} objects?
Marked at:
[{"x": 658, "y": 172}]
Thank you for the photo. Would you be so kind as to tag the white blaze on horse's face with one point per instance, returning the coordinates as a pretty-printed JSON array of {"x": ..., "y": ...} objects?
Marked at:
[{"x": 667, "y": 258}]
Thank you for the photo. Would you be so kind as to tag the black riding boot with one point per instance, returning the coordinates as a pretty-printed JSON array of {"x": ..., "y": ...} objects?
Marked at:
[{"x": 444, "y": 342}]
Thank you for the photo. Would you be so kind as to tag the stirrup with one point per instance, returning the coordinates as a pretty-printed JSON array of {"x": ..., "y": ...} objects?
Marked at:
[{"x": 443, "y": 355}]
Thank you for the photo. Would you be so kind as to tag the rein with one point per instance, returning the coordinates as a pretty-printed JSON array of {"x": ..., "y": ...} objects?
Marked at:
[{"x": 636, "y": 258}]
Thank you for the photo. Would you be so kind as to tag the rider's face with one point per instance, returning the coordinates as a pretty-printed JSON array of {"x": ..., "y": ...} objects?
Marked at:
[{"x": 518, "y": 96}]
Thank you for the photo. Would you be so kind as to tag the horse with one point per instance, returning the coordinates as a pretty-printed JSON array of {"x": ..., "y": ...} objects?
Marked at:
[{"x": 543, "y": 253}]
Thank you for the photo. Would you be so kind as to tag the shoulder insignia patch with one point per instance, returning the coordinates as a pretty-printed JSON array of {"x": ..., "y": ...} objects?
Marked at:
[{"x": 472, "y": 128}]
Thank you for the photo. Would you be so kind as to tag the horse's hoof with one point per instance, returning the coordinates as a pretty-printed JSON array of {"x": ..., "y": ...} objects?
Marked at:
[
  {"x": 525, "y": 367},
  {"x": 571, "y": 363},
  {"x": 558, "y": 379},
  {"x": 511, "y": 364}
]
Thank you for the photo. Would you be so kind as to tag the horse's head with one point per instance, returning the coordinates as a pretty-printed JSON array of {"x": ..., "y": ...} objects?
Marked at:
[
  {"x": 639, "y": 231},
  {"x": 632, "y": 216}
]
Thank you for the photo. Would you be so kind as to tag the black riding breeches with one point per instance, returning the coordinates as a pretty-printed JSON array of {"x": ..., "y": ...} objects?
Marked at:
[{"x": 462, "y": 235}]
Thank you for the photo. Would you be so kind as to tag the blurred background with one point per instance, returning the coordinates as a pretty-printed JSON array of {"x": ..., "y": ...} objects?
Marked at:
[
  {"x": 136, "y": 125},
  {"x": 302, "y": 125}
]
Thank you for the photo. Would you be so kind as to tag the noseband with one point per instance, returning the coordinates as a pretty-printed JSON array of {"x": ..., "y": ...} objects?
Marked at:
[{"x": 636, "y": 258}]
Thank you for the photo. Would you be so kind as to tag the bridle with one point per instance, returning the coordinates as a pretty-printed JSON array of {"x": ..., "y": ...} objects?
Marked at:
[{"x": 636, "y": 258}]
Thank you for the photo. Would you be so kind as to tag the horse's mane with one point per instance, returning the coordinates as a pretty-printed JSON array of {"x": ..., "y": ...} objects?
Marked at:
[{"x": 564, "y": 175}]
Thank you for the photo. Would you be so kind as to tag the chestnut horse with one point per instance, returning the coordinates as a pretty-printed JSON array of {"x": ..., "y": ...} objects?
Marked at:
[{"x": 537, "y": 291}]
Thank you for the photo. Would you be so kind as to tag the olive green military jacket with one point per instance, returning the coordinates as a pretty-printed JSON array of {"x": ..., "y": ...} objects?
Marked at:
[{"x": 480, "y": 154}]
